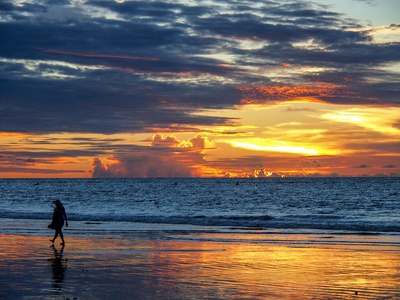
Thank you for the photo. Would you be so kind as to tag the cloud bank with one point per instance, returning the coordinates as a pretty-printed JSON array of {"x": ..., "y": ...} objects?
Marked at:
[
  {"x": 112, "y": 68},
  {"x": 108, "y": 67},
  {"x": 164, "y": 157}
]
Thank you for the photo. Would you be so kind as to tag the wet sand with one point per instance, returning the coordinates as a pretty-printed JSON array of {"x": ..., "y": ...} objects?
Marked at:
[{"x": 93, "y": 268}]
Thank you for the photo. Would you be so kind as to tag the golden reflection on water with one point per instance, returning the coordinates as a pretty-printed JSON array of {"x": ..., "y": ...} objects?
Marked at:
[{"x": 100, "y": 268}]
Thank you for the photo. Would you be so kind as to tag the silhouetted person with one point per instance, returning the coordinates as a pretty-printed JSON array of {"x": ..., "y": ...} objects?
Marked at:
[{"x": 57, "y": 222}]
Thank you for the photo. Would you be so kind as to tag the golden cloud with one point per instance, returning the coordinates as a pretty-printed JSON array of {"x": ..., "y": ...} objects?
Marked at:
[{"x": 261, "y": 94}]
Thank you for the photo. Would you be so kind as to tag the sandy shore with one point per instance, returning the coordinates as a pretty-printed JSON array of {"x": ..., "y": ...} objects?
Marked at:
[{"x": 30, "y": 268}]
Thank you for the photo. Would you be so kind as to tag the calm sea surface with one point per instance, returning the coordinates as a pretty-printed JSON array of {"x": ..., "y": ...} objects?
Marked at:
[{"x": 188, "y": 208}]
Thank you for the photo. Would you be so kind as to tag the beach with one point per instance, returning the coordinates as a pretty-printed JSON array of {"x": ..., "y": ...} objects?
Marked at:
[{"x": 101, "y": 268}]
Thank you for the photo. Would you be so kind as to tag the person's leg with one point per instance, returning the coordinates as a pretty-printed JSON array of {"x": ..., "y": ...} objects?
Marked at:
[
  {"x": 55, "y": 236},
  {"x": 62, "y": 237}
]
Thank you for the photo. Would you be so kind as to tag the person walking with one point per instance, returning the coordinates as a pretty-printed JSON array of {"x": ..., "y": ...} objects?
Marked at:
[{"x": 57, "y": 223}]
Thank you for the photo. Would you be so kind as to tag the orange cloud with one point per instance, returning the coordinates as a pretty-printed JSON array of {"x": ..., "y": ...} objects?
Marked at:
[
  {"x": 198, "y": 142},
  {"x": 164, "y": 157},
  {"x": 262, "y": 94},
  {"x": 101, "y": 170},
  {"x": 168, "y": 141},
  {"x": 17, "y": 135}
]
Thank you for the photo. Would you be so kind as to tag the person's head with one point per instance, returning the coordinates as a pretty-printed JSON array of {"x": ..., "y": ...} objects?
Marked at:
[{"x": 57, "y": 203}]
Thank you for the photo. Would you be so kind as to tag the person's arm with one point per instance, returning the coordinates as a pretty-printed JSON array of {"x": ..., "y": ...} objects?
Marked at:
[{"x": 66, "y": 220}]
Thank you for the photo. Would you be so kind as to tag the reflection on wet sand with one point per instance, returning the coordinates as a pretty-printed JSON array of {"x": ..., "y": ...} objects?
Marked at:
[
  {"x": 149, "y": 269},
  {"x": 261, "y": 271},
  {"x": 58, "y": 267}
]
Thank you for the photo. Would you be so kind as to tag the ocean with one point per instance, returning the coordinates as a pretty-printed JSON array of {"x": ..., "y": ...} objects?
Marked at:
[{"x": 256, "y": 210}]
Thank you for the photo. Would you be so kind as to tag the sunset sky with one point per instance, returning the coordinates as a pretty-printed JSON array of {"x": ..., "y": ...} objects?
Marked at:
[{"x": 185, "y": 88}]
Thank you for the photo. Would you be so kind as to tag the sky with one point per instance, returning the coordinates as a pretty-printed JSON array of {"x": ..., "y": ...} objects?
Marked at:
[{"x": 185, "y": 88}]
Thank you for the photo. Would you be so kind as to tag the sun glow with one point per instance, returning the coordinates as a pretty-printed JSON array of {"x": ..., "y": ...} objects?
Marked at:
[
  {"x": 382, "y": 119},
  {"x": 346, "y": 117},
  {"x": 286, "y": 149}
]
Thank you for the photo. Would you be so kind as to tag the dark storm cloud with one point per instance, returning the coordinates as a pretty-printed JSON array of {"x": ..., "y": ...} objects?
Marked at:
[
  {"x": 24, "y": 38},
  {"x": 6, "y": 6},
  {"x": 250, "y": 26},
  {"x": 99, "y": 104},
  {"x": 339, "y": 56},
  {"x": 109, "y": 67},
  {"x": 158, "y": 10}
]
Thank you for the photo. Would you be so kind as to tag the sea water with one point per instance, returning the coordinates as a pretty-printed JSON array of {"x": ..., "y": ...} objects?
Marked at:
[{"x": 195, "y": 208}]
